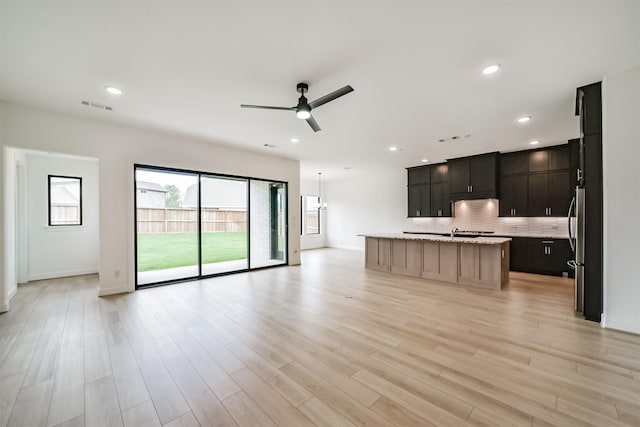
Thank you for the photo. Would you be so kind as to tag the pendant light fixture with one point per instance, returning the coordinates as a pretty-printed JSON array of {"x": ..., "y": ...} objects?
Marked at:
[{"x": 321, "y": 204}]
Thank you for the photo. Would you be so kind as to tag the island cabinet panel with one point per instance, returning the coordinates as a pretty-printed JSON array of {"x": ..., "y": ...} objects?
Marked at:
[
  {"x": 378, "y": 254},
  {"x": 484, "y": 265},
  {"x": 440, "y": 261},
  {"x": 430, "y": 260},
  {"x": 448, "y": 262},
  {"x": 469, "y": 267},
  {"x": 405, "y": 257}
]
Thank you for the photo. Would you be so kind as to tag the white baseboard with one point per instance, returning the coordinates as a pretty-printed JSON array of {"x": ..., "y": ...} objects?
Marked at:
[
  {"x": 12, "y": 293},
  {"x": 350, "y": 248},
  {"x": 623, "y": 326},
  {"x": 59, "y": 274},
  {"x": 4, "y": 307},
  {"x": 114, "y": 291}
]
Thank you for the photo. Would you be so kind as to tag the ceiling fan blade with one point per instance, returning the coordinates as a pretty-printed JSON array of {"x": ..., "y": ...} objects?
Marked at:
[
  {"x": 314, "y": 125},
  {"x": 330, "y": 97},
  {"x": 266, "y": 107}
]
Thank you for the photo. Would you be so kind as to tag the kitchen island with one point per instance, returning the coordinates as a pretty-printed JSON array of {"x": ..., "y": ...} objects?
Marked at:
[{"x": 472, "y": 261}]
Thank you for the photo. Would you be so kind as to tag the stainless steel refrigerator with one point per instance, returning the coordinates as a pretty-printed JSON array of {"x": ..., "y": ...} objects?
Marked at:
[{"x": 576, "y": 240}]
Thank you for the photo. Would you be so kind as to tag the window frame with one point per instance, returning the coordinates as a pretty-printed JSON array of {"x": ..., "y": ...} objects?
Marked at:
[
  {"x": 79, "y": 178},
  {"x": 304, "y": 210}
]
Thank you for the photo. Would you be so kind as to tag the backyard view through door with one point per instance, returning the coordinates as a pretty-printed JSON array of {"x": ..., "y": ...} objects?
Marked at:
[{"x": 191, "y": 224}]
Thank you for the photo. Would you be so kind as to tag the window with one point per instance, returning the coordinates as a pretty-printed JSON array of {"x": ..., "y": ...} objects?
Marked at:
[
  {"x": 311, "y": 218},
  {"x": 65, "y": 200}
]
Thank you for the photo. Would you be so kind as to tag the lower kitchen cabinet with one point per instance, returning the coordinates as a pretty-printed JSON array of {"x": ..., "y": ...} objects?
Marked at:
[{"x": 541, "y": 256}]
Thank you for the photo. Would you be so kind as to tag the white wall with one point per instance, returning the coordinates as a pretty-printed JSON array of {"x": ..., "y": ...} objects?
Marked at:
[
  {"x": 621, "y": 156},
  {"x": 313, "y": 241},
  {"x": 63, "y": 250},
  {"x": 365, "y": 203},
  {"x": 9, "y": 229},
  {"x": 117, "y": 148}
]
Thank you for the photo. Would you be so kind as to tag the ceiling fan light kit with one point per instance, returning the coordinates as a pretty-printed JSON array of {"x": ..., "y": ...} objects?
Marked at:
[{"x": 304, "y": 108}]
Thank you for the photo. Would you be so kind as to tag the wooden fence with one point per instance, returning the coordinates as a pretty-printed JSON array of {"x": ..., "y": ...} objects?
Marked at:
[{"x": 185, "y": 220}]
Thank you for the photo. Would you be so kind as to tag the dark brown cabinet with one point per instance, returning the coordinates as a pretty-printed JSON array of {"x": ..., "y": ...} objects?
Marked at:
[
  {"x": 513, "y": 195},
  {"x": 536, "y": 182},
  {"x": 418, "y": 175},
  {"x": 518, "y": 254},
  {"x": 555, "y": 158},
  {"x": 548, "y": 256},
  {"x": 549, "y": 194},
  {"x": 419, "y": 200},
  {"x": 440, "y": 200},
  {"x": 540, "y": 256},
  {"x": 473, "y": 177},
  {"x": 428, "y": 191}
]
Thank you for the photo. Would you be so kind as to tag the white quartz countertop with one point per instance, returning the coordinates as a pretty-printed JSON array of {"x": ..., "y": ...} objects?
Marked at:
[{"x": 435, "y": 238}]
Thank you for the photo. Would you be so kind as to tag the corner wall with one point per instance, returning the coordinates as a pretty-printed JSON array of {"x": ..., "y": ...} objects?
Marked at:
[
  {"x": 117, "y": 148},
  {"x": 621, "y": 182}
]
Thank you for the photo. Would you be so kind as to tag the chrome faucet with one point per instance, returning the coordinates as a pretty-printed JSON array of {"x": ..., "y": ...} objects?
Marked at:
[{"x": 453, "y": 232}]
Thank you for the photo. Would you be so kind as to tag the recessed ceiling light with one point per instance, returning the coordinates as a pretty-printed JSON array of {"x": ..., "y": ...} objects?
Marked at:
[
  {"x": 490, "y": 69},
  {"x": 425, "y": 160},
  {"x": 536, "y": 142},
  {"x": 113, "y": 90},
  {"x": 393, "y": 148},
  {"x": 294, "y": 140},
  {"x": 524, "y": 119}
]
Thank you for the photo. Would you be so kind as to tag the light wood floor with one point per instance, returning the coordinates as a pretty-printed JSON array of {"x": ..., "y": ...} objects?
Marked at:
[{"x": 327, "y": 343}]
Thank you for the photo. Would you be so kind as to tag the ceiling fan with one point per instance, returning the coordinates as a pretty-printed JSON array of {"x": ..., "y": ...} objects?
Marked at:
[{"x": 303, "y": 109}]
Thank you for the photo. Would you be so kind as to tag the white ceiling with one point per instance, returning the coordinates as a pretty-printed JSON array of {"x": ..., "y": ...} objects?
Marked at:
[{"x": 415, "y": 66}]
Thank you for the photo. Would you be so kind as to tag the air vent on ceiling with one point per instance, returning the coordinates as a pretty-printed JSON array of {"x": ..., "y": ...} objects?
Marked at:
[
  {"x": 270, "y": 145},
  {"x": 97, "y": 105},
  {"x": 454, "y": 138}
]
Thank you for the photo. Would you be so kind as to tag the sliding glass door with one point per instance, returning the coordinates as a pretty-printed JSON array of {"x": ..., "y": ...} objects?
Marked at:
[
  {"x": 191, "y": 225},
  {"x": 223, "y": 216},
  {"x": 167, "y": 238},
  {"x": 268, "y": 223}
]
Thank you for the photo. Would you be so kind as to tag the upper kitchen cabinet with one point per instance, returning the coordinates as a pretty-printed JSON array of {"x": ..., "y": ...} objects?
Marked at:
[
  {"x": 549, "y": 194},
  {"x": 418, "y": 175},
  {"x": 473, "y": 177},
  {"x": 419, "y": 197},
  {"x": 537, "y": 182},
  {"x": 515, "y": 163},
  {"x": 513, "y": 195},
  {"x": 428, "y": 191},
  {"x": 439, "y": 172},
  {"x": 549, "y": 159}
]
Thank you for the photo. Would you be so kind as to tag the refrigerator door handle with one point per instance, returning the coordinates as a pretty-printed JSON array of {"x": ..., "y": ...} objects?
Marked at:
[{"x": 573, "y": 202}]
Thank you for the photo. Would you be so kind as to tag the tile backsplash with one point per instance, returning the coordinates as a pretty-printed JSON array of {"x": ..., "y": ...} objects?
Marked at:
[{"x": 482, "y": 215}]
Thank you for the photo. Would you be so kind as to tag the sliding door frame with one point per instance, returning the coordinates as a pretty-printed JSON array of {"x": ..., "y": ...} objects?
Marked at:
[{"x": 200, "y": 174}]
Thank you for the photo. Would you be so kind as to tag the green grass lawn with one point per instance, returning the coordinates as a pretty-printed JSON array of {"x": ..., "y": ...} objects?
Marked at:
[{"x": 168, "y": 250}]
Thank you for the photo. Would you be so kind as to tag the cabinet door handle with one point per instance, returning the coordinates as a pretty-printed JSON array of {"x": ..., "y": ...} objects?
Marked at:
[
  {"x": 418, "y": 213},
  {"x": 550, "y": 211},
  {"x": 471, "y": 186}
]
